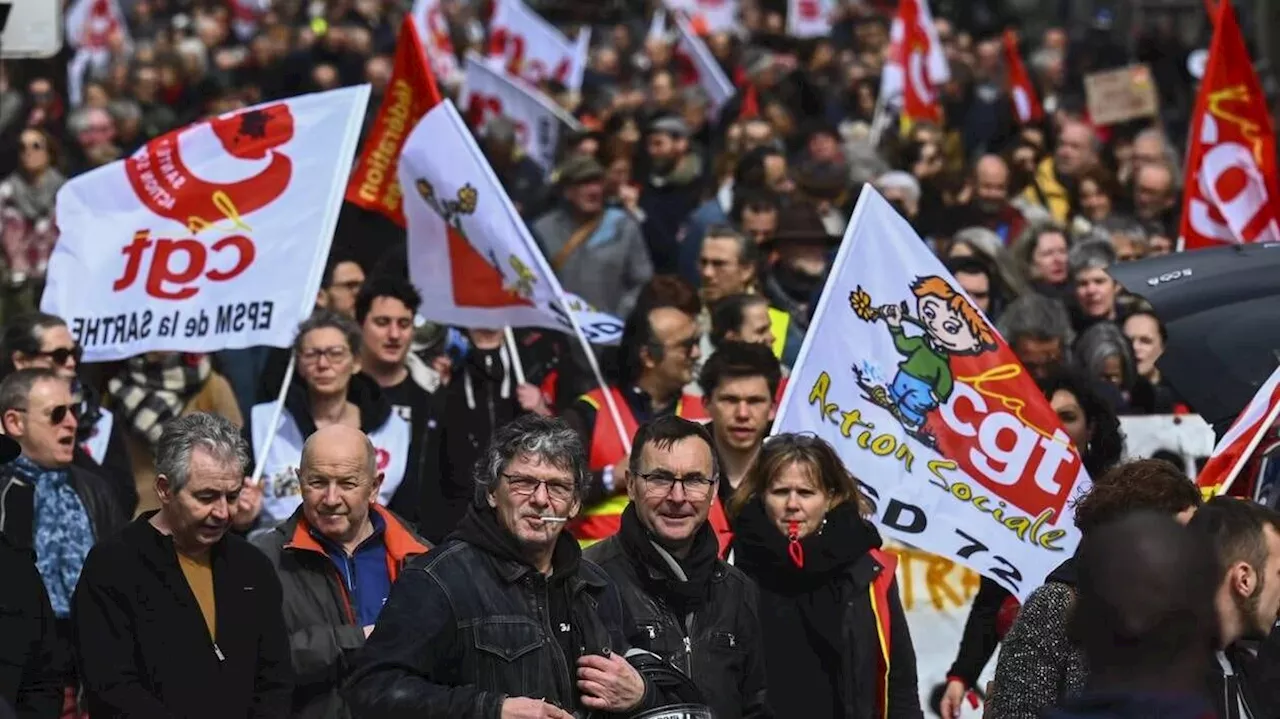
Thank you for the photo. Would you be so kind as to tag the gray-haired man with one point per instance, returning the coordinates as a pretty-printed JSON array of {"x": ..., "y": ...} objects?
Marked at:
[
  {"x": 174, "y": 616},
  {"x": 505, "y": 619}
]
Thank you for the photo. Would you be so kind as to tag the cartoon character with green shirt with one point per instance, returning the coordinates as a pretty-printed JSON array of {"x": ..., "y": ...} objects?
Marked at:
[{"x": 952, "y": 327}]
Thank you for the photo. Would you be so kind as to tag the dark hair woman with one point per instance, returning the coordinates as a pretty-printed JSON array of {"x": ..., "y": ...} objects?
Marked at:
[
  {"x": 1094, "y": 429},
  {"x": 833, "y": 629}
]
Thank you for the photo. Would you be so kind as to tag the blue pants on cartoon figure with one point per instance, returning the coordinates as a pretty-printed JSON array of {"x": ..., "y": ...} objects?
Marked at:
[{"x": 913, "y": 396}]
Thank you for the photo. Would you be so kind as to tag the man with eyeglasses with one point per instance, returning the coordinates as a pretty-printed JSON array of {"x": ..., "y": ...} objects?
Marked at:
[
  {"x": 688, "y": 605},
  {"x": 505, "y": 619},
  {"x": 47, "y": 504},
  {"x": 659, "y": 356}
]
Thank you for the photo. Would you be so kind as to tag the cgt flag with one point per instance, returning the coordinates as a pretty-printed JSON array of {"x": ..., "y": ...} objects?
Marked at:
[
  {"x": 1231, "y": 195},
  {"x": 470, "y": 254},
  {"x": 411, "y": 92},
  {"x": 1025, "y": 102},
  {"x": 917, "y": 65},
  {"x": 1236, "y": 447},
  {"x": 213, "y": 236},
  {"x": 949, "y": 436}
]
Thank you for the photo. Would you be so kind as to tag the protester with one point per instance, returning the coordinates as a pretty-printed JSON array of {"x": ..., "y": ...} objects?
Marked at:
[
  {"x": 1246, "y": 539},
  {"x": 974, "y": 277},
  {"x": 1095, "y": 291},
  {"x": 39, "y": 340},
  {"x": 1103, "y": 353},
  {"x": 154, "y": 388},
  {"x": 206, "y": 637},
  {"x": 33, "y": 663},
  {"x": 695, "y": 611},
  {"x": 48, "y": 505},
  {"x": 743, "y": 318},
  {"x": 740, "y": 388},
  {"x": 1143, "y": 619},
  {"x": 985, "y": 246},
  {"x": 483, "y": 395},
  {"x": 1042, "y": 252},
  {"x": 506, "y": 617},
  {"x": 385, "y": 309},
  {"x": 1038, "y": 330},
  {"x": 331, "y": 391},
  {"x": 828, "y": 595},
  {"x": 597, "y": 252},
  {"x": 659, "y": 354},
  {"x": 1147, "y": 336},
  {"x": 26, "y": 209},
  {"x": 1039, "y": 666},
  {"x": 337, "y": 558}
]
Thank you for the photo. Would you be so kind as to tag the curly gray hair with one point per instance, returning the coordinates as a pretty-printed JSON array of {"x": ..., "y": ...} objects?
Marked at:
[{"x": 547, "y": 439}]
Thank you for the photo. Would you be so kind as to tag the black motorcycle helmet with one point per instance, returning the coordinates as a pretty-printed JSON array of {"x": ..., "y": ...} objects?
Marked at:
[{"x": 682, "y": 698}]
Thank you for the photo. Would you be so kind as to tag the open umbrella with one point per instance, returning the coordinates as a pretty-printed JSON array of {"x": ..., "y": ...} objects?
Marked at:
[{"x": 1222, "y": 310}]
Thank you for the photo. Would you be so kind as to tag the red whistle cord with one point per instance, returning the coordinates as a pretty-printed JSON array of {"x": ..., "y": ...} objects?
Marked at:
[{"x": 794, "y": 549}]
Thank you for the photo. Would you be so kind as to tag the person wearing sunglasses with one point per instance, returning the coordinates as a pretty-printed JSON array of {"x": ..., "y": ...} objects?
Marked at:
[
  {"x": 689, "y": 606},
  {"x": 26, "y": 209},
  {"x": 50, "y": 506},
  {"x": 43, "y": 341}
]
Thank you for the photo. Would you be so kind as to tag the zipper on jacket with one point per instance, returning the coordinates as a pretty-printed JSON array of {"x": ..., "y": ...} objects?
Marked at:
[
  {"x": 218, "y": 653},
  {"x": 543, "y": 600}
]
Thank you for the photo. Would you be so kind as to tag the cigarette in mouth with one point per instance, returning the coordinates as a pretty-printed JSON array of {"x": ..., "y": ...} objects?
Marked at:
[{"x": 553, "y": 519}]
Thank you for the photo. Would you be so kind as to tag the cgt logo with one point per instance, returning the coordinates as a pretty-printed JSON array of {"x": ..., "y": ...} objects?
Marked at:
[{"x": 167, "y": 185}]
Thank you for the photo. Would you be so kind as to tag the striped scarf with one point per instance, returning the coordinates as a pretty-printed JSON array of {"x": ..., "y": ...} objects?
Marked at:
[{"x": 148, "y": 393}]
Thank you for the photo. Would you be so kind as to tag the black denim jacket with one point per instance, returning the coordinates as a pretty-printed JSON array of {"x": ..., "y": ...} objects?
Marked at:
[{"x": 464, "y": 629}]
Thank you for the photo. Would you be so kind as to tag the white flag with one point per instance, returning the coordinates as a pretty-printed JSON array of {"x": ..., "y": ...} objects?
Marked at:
[
  {"x": 809, "y": 18},
  {"x": 708, "y": 15},
  {"x": 210, "y": 237},
  {"x": 531, "y": 48},
  {"x": 538, "y": 119},
  {"x": 950, "y": 438},
  {"x": 470, "y": 254},
  {"x": 696, "y": 58}
]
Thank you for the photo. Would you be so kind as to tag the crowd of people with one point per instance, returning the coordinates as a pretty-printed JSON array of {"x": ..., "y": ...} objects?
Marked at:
[{"x": 441, "y": 522}]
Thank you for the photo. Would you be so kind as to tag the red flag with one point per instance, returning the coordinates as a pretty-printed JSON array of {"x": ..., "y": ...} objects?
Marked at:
[
  {"x": 917, "y": 66},
  {"x": 1231, "y": 190},
  {"x": 410, "y": 94},
  {"x": 1238, "y": 444},
  {"x": 1025, "y": 102},
  {"x": 750, "y": 103}
]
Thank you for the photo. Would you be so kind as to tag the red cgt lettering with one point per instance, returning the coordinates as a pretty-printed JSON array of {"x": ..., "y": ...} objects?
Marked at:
[{"x": 174, "y": 265}]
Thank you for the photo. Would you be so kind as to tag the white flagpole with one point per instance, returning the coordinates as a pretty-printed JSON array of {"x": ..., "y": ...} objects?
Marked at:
[
  {"x": 514, "y": 350},
  {"x": 1247, "y": 454},
  {"x": 276, "y": 411}
]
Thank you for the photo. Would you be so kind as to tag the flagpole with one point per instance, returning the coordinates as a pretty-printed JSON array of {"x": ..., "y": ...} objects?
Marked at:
[
  {"x": 512, "y": 349},
  {"x": 1265, "y": 427},
  {"x": 260, "y": 460}
]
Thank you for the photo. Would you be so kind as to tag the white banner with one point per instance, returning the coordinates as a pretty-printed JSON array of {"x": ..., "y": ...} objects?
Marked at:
[
  {"x": 708, "y": 15},
  {"x": 928, "y": 407},
  {"x": 489, "y": 93},
  {"x": 470, "y": 254},
  {"x": 210, "y": 237},
  {"x": 433, "y": 28},
  {"x": 693, "y": 53},
  {"x": 809, "y": 18},
  {"x": 1184, "y": 439},
  {"x": 525, "y": 45}
]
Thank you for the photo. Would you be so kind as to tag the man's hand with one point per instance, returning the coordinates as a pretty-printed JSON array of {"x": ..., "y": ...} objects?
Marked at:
[
  {"x": 526, "y": 708},
  {"x": 609, "y": 683},
  {"x": 892, "y": 315},
  {"x": 620, "y": 469},
  {"x": 532, "y": 400},
  {"x": 248, "y": 506},
  {"x": 952, "y": 698}
]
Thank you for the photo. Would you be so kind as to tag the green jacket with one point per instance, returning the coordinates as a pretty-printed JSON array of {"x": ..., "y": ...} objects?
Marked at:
[{"x": 924, "y": 362}]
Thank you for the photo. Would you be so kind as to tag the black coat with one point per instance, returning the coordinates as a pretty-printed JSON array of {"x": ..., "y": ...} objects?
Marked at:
[
  {"x": 17, "y": 506},
  {"x": 722, "y": 653},
  {"x": 143, "y": 646},
  {"x": 33, "y": 662}
]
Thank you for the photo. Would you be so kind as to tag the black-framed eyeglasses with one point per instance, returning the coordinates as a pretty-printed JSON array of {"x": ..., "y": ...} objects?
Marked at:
[
  {"x": 60, "y": 355},
  {"x": 528, "y": 486},
  {"x": 58, "y": 412},
  {"x": 659, "y": 483}
]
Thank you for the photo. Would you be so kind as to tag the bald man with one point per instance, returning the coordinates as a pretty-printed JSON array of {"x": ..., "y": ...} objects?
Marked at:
[
  {"x": 336, "y": 557},
  {"x": 990, "y": 206},
  {"x": 1076, "y": 152}
]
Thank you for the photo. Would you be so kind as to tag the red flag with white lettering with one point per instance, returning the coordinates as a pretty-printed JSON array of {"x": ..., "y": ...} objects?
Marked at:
[
  {"x": 917, "y": 65},
  {"x": 1231, "y": 189},
  {"x": 410, "y": 94},
  {"x": 1025, "y": 102}
]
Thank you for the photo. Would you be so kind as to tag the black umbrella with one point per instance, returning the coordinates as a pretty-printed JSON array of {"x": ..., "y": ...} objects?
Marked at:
[{"x": 1222, "y": 309}]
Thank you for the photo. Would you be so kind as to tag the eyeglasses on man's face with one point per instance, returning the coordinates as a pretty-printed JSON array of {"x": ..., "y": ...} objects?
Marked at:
[
  {"x": 660, "y": 482},
  {"x": 525, "y": 486}
]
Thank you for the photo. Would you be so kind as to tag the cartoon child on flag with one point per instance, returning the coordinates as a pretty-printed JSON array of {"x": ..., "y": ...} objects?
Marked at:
[{"x": 951, "y": 327}]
